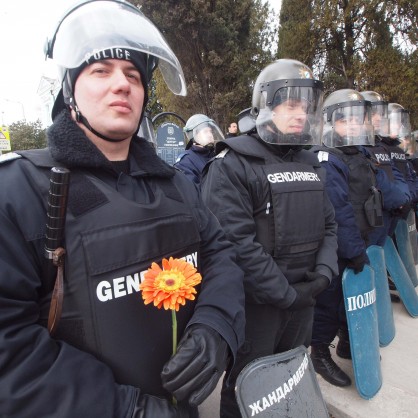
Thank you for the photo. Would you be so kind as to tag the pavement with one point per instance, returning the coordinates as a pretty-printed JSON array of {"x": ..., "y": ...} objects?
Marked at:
[{"x": 398, "y": 396}]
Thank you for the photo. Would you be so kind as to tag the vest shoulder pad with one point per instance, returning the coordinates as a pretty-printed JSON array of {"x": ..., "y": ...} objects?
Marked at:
[
  {"x": 40, "y": 158},
  {"x": 308, "y": 157},
  {"x": 243, "y": 144},
  {"x": 10, "y": 156}
]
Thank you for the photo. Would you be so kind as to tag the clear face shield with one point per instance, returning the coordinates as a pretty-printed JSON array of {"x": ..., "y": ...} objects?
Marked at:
[
  {"x": 348, "y": 124},
  {"x": 408, "y": 144},
  {"x": 399, "y": 124},
  {"x": 207, "y": 133},
  {"x": 380, "y": 119},
  {"x": 291, "y": 115},
  {"x": 101, "y": 25}
]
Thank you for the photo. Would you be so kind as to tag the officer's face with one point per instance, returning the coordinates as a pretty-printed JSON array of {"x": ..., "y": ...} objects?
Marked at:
[
  {"x": 376, "y": 121},
  {"x": 349, "y": 126},
  {"x": 110, "y": 95},
  {"x": 205, "y": 136},
  {"x": 290, "y": 116}
]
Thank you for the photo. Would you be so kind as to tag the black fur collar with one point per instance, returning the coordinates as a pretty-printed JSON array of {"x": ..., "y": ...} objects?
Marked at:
[{"x": 69, "y": 145}]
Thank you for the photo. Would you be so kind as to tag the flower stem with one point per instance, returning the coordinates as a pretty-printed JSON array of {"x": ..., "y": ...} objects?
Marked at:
[
  {"x": 174, "y": 321},
  {"x": 174, "y": 318}
]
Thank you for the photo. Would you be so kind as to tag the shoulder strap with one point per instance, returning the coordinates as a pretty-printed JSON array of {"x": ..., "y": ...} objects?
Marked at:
[
  {"x": 40, "y": 158},
  {"x": 245, "y": 145}
]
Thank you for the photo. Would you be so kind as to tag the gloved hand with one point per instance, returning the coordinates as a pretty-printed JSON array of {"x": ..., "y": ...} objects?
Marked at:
[
  {"x": 193, "y": 372},
  {"x": 405, "y": 209},
  {"x": 357, "y": 263},
  {"x": 305, "y": 294},
  {"x": 147, "y": 406},
  {"x": 402, "y": 211},
  {"x": 322, "y": 281}
]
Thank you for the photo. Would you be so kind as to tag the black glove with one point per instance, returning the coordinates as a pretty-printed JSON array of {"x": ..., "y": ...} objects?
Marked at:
[
  {"x": 402, "y": 211},
  {"x": 193, "y": 372},
  {"x": 304, "y": 295},
  {"x": 405, "y": 209},
  {"x": 147, "y": 406},
  {"x": 322, "y": 281},
  {"x": 357, "y": 263}
]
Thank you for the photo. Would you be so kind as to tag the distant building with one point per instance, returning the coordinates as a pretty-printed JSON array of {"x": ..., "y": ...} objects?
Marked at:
[{"x": 47, "y": 91}]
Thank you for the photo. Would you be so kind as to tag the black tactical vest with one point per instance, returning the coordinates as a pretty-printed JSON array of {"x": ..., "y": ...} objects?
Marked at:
[
  {"x": 110, "y": 243},
  {"x": 363, "y": 194},
  {"x": 397, "y": 155},
  {"x": 382, "y": 159},
  {"x": 288, "y": 204}
]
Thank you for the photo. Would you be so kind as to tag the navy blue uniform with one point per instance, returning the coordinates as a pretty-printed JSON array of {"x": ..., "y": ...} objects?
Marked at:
[
  {"x": 192, "y": 162},
  {"x": 391, "y": 182},
  {"x": 348, "y": 188}
]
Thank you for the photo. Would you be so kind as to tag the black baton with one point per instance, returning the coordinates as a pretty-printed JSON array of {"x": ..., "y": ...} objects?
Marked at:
[
  {"x": 57, "y": 209},
  {"x": 54, "y": 238}
]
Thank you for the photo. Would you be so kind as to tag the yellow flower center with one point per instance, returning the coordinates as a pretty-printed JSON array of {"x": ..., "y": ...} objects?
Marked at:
[{"x": 169, "y": 281}]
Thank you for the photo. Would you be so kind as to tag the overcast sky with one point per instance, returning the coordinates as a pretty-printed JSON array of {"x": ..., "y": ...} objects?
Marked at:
[{"x": 25, "y": 25}]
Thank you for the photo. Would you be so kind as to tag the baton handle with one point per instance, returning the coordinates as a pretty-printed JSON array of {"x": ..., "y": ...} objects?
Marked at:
[{"x": 57, "y": 208}]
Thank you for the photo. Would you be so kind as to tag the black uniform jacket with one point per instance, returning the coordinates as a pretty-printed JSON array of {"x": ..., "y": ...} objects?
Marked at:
[
  {"x": 78, "y": 372},
  {"x": 282, "y": 228}
]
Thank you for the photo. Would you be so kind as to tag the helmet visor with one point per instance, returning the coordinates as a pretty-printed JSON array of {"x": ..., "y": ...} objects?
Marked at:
[
  {"x": 399, "y": 124},
  {"x": 207, "y": 133},
  {"x": 291, "y": 115},
  {"x": 380, "y": 118},
  {"x": 349, "y": 125},
  {"x": 408, "y": 144},
  {"x": 100, "y": 25}
]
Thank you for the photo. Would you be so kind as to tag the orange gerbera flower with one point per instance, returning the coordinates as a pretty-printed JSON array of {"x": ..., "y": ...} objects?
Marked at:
[{"x": 170, "y": 286}]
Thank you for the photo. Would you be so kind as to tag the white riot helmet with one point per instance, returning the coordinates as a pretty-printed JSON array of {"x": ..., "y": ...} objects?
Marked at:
[
  {"x": 201, "y": 130},
  {"x": 95, "y": 30},
  {"x": 347, "y": 119},
  {"x": 399, "y": 124},
  {"x": 246, "y": 121},
  {"x": 287, "y": 103},
  {"x": 379, "y": 112}
]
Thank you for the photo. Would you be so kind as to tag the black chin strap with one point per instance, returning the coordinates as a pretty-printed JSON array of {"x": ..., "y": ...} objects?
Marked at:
[{"x": 81, "y": 119}]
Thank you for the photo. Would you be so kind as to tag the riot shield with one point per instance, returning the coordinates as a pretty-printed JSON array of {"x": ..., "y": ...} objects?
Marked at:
[
  {"x": 281, "y": 385},
  {"x": 385, "y": 321},
  {"x": 401, "y": 278},
  {"x": 412, "y": 229},
  {"x": 403, "y": 242},
  {"x": 360, "y": 306}
]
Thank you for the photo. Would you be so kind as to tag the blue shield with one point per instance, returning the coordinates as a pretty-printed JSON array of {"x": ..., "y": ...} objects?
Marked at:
[
  {"x": 281, "y": 385},
  {"x": 403, "y": 242},
  {"x": 385, "y": 321},
  {"x": 360, "y": 306},
  {"x": 401, "y": 278}
]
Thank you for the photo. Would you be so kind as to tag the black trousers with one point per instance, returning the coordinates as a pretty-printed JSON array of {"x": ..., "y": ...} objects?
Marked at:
[
  {"x": 329, "y": 313},
  {"x": 269, "y": 330}
]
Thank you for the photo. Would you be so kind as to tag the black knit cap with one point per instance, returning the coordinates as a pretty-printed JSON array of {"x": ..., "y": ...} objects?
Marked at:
[{"x": 139, "y": 59}]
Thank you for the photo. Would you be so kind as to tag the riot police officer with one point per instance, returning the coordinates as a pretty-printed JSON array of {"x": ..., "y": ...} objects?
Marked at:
[
  {"x": 259, "y": 186},
  {"x": 202, "y": 133},
  {"x": 110, "y": 353},
  {"x": 395, "y": 191},
  {"x": 399, "y": 127},
  {"x": 351, "y": 186}
]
